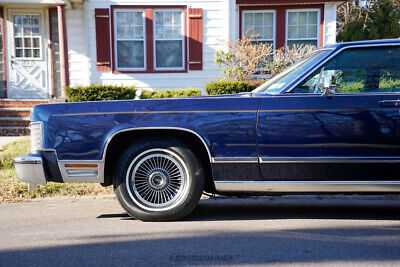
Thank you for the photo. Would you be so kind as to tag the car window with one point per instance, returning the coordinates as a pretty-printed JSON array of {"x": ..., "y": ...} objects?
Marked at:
[
  {"x": 357, "y": 70},
  {"x": 276, "y": 84}
]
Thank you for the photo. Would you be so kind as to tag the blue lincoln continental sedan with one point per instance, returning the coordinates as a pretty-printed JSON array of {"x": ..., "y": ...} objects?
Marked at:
[{"x": 330, "y": 123}]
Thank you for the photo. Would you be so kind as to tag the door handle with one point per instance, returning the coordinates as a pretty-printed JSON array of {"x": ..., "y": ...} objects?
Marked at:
[{"x": 389, "y": 103}]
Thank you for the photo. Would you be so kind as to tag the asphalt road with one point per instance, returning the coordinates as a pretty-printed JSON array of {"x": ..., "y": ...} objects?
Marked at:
[{"x": 302, "y": 231}]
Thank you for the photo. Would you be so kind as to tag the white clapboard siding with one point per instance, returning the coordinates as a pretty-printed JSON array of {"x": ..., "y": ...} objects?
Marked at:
[
  {"x": 330, "y": 24},
  {"x": 82, "y": 47},
  {"x": 77, "y": 54},
  {"x": 220, "y": 24}
]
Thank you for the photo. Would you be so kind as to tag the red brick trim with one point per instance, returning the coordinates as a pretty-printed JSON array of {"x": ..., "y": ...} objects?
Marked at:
[
  {"x": 149, "y": 38},
  {"x": 3, "y": 39},
  {"x": 281, "y": 20}
]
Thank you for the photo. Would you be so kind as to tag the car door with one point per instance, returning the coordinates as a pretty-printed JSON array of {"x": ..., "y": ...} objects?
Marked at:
[{"x": 352, "y": 135}]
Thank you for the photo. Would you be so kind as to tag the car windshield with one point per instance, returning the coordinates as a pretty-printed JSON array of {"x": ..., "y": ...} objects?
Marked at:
[{"x": 280, "y": 81}]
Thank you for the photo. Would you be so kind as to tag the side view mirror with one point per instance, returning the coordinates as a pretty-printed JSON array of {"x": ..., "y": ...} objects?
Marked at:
[{"x": 328, "y": 88}]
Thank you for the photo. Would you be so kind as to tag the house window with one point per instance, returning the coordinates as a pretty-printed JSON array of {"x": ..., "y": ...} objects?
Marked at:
[
  {"x": 130, "y": 39},
  {"x": 302, "y": 27},
  {"x": 26, "y": 36},
  {"x": 260, "y": 24},
  {"x": 149, "y": 39},
  {"x": 169, "y": 39}
]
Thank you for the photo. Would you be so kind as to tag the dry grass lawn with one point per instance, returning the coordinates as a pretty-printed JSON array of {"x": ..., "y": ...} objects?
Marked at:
[{"x": 13, "y": 190}]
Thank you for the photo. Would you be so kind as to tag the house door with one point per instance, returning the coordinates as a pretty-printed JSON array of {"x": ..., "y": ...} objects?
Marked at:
[{"x": 27, "y": 56}]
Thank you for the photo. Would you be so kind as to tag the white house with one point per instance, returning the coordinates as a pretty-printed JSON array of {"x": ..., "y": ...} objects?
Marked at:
[{"x": 46, "y": 45}]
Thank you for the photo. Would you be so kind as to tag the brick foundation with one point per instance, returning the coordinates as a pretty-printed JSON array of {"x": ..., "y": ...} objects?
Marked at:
[{"x": 15, "y": 115}]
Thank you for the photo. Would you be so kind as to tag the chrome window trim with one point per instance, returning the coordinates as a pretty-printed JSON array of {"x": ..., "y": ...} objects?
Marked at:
[
  {"x": 307, "y": 186},
  {"x": 264, "y": 160},
  {"x": 315, "y": 67}
]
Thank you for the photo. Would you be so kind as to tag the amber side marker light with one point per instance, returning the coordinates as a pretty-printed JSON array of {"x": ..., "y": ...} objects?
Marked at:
[{"x": 81, "y": 165}]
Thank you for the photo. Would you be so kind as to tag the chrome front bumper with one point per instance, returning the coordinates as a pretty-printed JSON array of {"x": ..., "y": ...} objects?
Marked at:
[{"x": 30, "y": 169}]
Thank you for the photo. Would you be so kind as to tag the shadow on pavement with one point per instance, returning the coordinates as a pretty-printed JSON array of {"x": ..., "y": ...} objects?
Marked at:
[
  {"x": 318, "y": 245},
  {"x": 245, "y": 243},
  {"x": 230, "y": 209}
]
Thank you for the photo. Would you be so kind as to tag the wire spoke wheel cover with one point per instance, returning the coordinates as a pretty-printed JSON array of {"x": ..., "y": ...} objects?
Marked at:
[{"x": 157, "y": 180}]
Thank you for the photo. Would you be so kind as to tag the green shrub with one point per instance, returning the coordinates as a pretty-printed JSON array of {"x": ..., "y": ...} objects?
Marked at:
[
  {"x": 350, "y": 87},
  {"x": 146, "y": 94},
  {"x": 112, "y": 92},
  {"x": 386, "y": 84},
  {"x": 95, "y": 92},
  {"x": 224, "y": 87}
]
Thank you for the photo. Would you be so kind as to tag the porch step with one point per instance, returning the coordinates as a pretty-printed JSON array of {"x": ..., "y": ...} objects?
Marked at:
[
  {"x": 14, "y": 131},
  {"x": 15, "y": 112},
  {"x": 11, "y": 118},
  {"x": 14, "y": 123},
  {"x": 15, "y": 115},
  {"x": 21, "y": 103}
]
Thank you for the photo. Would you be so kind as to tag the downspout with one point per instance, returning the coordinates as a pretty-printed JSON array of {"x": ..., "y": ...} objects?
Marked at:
[{"x": 63, "y": 44}]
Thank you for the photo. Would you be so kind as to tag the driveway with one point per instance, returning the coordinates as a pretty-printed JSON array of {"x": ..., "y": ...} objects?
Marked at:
[
  {"x": 4, "y": 140},
  {"x": 292, "y": 230}
]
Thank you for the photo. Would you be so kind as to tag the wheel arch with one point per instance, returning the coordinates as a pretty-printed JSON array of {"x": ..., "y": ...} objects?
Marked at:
[{"x": 119, "y": 140}]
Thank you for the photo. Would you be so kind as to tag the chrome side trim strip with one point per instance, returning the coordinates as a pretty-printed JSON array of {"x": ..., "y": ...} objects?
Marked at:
[
  {"x": 235, "y": 160},
  {"x": 156, "y": 128},
  {"x": 325, "y": 110},
  {"x": 329, "y": 160},
  {"x": 392, "y": 146},
  {"x": 154, "y": 112},
  {"x": 82, "y": 174},
  {"x": 307, "y": 186}
]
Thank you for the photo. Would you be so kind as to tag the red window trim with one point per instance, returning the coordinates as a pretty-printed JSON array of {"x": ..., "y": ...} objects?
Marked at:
[
  {"x": 149, "y": 38},
  {"x": 3, "y": 39},
  {"x": 280, "y": 23}
]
